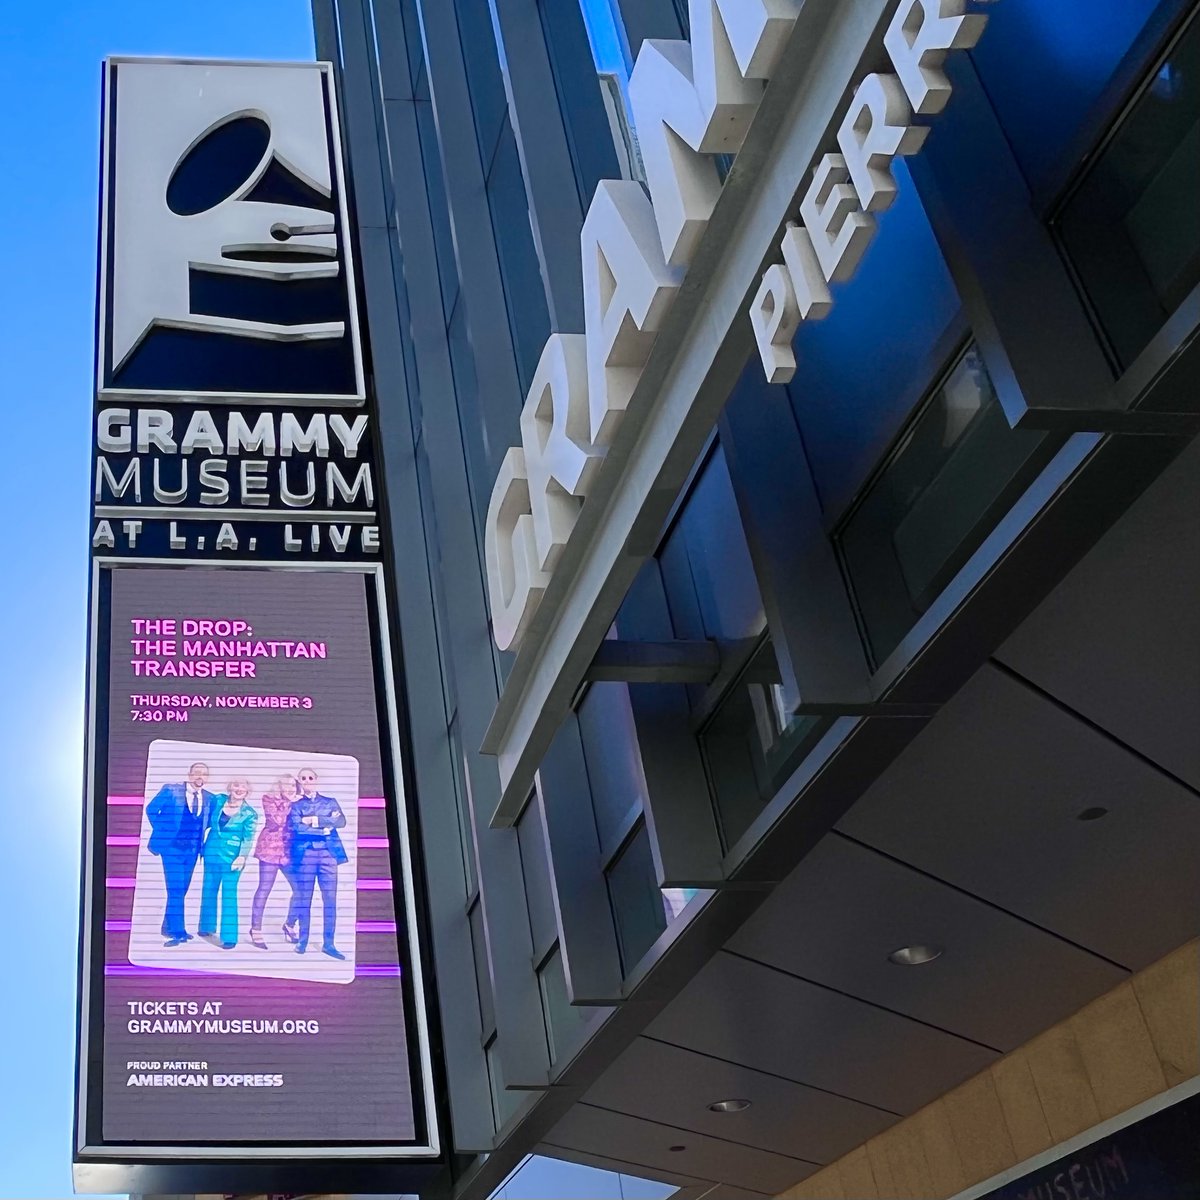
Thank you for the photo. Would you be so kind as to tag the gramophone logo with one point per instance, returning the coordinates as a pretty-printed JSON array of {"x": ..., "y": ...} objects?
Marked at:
[{"x": 227, "y": 270}]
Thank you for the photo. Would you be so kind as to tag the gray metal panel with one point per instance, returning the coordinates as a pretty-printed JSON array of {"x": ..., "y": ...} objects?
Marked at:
[
  {"x": 325, "y": 36},
  {"x": 744, "y": 1012},
  {"x": 555, "y": 212},
  {"x": 817, "y": 643},
  {"x": 454, "y": 540},
  {"x": 464, "y": 626},
  {"x": 372, "y": 186},
  {"x": 432, "y": 767},
  {"x": 679, "y": 810},
  {"x": 391, "y": 46},
  {"x": 657, "y": 1081},
  {"x": 1044, "y": 357},
  {"x": 598, "y": 1130},
  {"x": 648, "y": 19},
  {"x": 845, "y": 908},
  {"x": 1118, "y": 639},
  {"x": 474, "y": 241},
  {"x": 591, "y": 960},
  {"x": 987, "y": 798},
  {"x": 539, "y": 883}
]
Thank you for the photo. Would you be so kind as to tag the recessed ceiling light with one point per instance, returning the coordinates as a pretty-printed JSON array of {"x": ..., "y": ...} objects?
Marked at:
[
  {"x": 729, "y": 1106},
  {"x": 1092, "y": 814},
  {"x": 914, "y": 956}
]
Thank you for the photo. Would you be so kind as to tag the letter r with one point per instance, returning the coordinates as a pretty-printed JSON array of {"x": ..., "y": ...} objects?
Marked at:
[{"x": 917, "y": 40}]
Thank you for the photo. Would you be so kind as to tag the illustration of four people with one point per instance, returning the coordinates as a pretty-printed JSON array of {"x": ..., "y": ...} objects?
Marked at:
[{"x": 299, "y": 840}]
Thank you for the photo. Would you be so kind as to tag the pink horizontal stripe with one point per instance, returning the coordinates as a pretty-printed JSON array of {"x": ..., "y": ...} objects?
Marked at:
[
  {"x": 129, "y": 881},
  {"x": 132, "y": 839},
  {"x": 361, "y": 971},
  {"x": 364, "y": 802},
  {"x": 119, "y": 926},
  {"x": 125, "y": 969}
]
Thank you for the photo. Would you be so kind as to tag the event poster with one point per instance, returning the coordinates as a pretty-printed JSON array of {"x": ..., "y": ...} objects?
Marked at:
[{"x": 255, "y": 940}]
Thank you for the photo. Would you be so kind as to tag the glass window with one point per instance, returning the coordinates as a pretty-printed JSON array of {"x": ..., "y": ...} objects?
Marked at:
[
  {"x": 862, "y": 371},
  {"x": 1045, "y": 65},
  {"x": 524, "y": 291},
  {"x": 709, "y": 579},
  {"x": 955, "y": 471},
  {"x": 439, "y": 212},
  {"x": 483, "y": 460},
  {"x": 483, "y": 975},
  {"x": 535, "y": 869},
  {"x": 465, "y": 834},
  {"x": 751, "y": 744},
  {"x": 1131, "y": 228},
  {"x": 637, "y": 903},
  {"x": 563, "y": 1019},
  {"x": 484, "y": 80},
  {"x": 643, "y": 19},
  {"x": 503, "y": 1101},
  {"x": 613, "y": 760},
  {"x": 412, "y": 36},
  {"x": 593, "y": 155}
]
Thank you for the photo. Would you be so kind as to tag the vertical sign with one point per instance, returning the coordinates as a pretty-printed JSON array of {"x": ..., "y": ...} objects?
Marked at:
[{"x": 252, "y": 992}]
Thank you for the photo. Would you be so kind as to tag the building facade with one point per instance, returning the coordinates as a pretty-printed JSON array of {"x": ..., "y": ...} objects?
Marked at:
[{"x": 811, "y": 800}]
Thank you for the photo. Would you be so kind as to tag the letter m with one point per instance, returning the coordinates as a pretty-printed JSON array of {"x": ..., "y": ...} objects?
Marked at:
[{"x": 690, "y": 102}]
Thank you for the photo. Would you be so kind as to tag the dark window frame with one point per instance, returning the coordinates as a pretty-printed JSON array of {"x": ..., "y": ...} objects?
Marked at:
[{"x": 1114, "y": 109}]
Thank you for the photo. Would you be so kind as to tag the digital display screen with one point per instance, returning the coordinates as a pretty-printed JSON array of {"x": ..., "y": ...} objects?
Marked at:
[{"x": 258, "y": 984}]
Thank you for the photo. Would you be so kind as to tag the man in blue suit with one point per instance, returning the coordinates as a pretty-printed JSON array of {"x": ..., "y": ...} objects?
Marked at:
[
  {"x": 179, "y": 815},
  {"x": 317, "y": 852}
]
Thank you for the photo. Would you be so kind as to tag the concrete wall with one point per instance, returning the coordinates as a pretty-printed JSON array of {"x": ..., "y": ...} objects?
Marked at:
[{"x": 1128, "y": 1046}]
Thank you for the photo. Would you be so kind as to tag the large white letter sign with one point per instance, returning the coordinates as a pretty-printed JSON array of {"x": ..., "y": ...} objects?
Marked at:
[
  {"x": 627, "y": 289},
  {"x": 774, "y": 317},
  {"x": 804, "y": 271},
  {"x": 690, "y": 102},
  {"x": 792, "y": 291},
  {"x": 917, "y": 39},
  {"x": 839, "y": 229},
  {"x": 876, "y": 128},
  {"x": 559, "y": 459},
  {"x": 515, "y": 581}
]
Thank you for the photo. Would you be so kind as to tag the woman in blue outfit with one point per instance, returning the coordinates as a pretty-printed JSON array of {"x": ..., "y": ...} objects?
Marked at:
[{"x": 230, "y": 835}]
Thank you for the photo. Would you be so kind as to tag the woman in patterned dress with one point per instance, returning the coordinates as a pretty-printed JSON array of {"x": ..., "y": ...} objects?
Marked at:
[{"x": 274, "y": 854}]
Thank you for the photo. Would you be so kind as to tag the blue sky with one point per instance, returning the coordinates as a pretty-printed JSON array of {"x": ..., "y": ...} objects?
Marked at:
[{"x": 48, "y": 214}]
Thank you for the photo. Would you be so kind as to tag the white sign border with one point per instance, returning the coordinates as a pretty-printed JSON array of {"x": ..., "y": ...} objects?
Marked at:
[{"x": 140, "y": 1151}]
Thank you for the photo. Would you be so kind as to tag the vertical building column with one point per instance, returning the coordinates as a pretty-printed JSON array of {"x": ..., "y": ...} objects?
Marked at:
[
  {"x": 558, "y": 188},
  {"x": 343, "y": 36},
  {"x": 521, "y": 1036},
  {"x": 1044, "y": 359},
  {"x": 817, "y": 644},
  {"x": 476, "y": 253}
]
